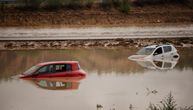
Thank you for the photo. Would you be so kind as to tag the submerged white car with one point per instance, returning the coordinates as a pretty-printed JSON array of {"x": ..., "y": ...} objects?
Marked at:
[{"x": 156, "y": 52}]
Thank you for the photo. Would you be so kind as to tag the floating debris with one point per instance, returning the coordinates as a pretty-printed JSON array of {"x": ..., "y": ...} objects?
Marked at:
[
  {"x": 151, "y": 91},
  {"x": 99, "y": 106},
  {"x": 113, "y": 108},
  {"x": 131, "y": 107}
]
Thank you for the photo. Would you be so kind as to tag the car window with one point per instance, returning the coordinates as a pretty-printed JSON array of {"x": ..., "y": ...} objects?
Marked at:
[
  {"x": 68, "y": 67},
  {"x": 167, "y": 48},
  {"x": 158, "y": 51},
  {"x": 46, "y": 69},
  {"x": 145, "y": 51},
  {"x": 43, "y": 69},
  {"x": 60, "y": 67},
  {"x": 31, "y": 70},
  {"x": 63, "y": 67},
  {"x": 53, "y": 68}
]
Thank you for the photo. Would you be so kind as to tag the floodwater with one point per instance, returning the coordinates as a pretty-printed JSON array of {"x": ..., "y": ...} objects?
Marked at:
[{"x": 112, "y": 81}]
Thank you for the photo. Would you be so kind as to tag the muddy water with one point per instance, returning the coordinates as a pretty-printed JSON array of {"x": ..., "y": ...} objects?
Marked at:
[{"x": 112, "y": 81}]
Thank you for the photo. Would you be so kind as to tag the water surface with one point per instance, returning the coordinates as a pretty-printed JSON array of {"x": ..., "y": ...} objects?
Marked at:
[{"x": 112, "y": 81}]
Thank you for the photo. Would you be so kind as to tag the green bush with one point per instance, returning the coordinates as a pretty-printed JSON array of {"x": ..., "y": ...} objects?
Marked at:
[
  {"x": 106, "y": 4},
  {"x": 34, "y": 4},
  {"x": 152, "y": 2},
  {"x": 73, "y": 4},
  {"x": 125, "y": 6},
  {"x": 89, "y": 3},
  {"x": 54, "y": 4},
  {"x": 122, "y": 5},
  {"x": 116, "y": 3},
  {"x": 189, "y": 3}
]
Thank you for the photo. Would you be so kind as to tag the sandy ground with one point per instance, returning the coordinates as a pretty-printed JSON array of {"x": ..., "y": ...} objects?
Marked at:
[{"x": 96, "y": 33}]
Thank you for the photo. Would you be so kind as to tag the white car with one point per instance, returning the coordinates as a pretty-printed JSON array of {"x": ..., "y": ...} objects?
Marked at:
[{"x": 154, "y": 52}]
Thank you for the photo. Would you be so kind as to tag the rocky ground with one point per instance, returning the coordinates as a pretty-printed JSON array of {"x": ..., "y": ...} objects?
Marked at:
[{"x": 66, "y": 44}]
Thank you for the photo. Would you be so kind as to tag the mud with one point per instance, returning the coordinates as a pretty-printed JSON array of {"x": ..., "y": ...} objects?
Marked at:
[{"x": 66, "y": 44}]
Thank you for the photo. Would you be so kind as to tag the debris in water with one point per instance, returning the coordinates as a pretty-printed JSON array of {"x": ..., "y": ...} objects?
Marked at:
[
  {"x": 151, "y": 91},
  {"x": 99, "y": 106}
]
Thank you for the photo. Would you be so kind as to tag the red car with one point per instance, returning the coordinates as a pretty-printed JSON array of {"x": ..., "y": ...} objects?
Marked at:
[{"x": 54, "y": 69}]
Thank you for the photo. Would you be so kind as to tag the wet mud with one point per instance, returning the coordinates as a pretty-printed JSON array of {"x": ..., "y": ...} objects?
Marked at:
[{"x": 119, "y": 42}]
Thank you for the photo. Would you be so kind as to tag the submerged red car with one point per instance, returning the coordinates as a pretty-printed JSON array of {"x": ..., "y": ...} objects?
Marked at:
[{"x": 54, "y": 69}]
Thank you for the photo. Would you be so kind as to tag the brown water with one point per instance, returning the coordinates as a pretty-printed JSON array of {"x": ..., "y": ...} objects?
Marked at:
[{"x": 112, "y": 81}]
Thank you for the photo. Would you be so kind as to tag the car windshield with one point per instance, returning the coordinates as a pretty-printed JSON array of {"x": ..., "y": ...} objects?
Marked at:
[
  {"x": 145, "y": 51},
  {"x": 31, "y": 70}
]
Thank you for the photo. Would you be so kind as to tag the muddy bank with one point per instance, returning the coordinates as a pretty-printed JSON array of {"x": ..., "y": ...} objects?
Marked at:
[
  {"x": 66, "y": 44},
  {"x": 151, "y": 14}
]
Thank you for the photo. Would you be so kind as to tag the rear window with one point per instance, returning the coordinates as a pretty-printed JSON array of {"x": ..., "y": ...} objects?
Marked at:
[{"x": 167, "y": 48}]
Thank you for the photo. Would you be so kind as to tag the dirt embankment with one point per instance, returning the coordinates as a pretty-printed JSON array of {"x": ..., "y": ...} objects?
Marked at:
[
  {"x": 66, "y": 44},
  {"x": 166, "y": 13}
]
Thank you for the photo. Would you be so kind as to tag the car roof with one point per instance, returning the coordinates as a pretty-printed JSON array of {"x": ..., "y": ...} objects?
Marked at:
[
  {"x": 155, "y": 46},
  {"x": 57, "y": 62}
]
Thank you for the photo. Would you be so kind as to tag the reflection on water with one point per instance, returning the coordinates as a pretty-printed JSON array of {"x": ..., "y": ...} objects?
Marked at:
[
  {"x": 161, "y": 64},
  {"x": 112, "y": 80},
  {"x": 58, "y": 83}
]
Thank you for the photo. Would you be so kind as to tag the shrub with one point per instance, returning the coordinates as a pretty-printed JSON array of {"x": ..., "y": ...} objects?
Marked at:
[
  {"x": 168, "y": 103},
  {"x": 152, "y": 2},
  {"x": 189, "y": 3},
  {"x": 54, "y": 4},
  {"x": 106, "y": 4},
  {"x": 73, "y": 4},
  {"x": 116, "y": 3},
  {"x": 34, "y": 4},
  {"x": 125, "y": 6},
  {"x": 89, "y": 3}
]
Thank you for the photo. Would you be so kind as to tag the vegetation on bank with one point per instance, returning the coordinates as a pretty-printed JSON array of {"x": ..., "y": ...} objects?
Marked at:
[
  {"x": 153, "y": 2},
  {"x": 168, "y": 103},
  {"x": 122, "y": 5}
]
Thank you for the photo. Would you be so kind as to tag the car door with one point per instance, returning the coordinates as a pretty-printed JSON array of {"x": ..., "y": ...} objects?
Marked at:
[{"x": 167, "y": 51}]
